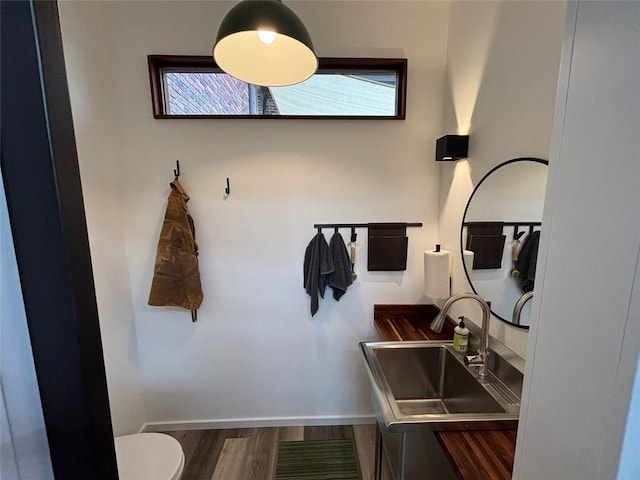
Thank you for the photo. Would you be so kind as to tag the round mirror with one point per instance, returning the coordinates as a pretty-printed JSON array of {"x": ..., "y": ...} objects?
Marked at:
[{"x": 499, "y": 236}]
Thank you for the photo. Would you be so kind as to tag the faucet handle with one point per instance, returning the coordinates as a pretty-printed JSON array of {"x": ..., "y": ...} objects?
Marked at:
[
  {"x": 478, "y": 361},
  {"x": 474, "y": 360}
]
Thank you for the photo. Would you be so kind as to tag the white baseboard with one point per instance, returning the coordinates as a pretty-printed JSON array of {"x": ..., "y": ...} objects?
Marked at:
[{"x": 257, "y": 422}]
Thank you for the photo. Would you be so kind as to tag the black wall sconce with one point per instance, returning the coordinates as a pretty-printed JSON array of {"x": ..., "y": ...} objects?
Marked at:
[{"x": 452, "y": 147}]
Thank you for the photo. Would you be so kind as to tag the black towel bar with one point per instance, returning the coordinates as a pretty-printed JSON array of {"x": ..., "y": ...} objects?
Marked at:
[
  {"x": 516, "y": 226},
  {"x": 354, "y": 225}
]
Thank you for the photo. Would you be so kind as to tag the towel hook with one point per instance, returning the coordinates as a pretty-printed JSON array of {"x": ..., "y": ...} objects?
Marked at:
[
  {"x": 227, "y": 189},
  {"x": 354, "y": 235},
  {"x": 516, "y": 233},
  {"x": 176, "y": 171}
]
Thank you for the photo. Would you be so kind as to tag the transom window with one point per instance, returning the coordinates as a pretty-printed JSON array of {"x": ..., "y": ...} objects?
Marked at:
[{"x": 194, "y": 87}]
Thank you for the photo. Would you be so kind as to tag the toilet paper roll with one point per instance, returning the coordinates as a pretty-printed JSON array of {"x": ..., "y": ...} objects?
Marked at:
[
  {"x": 467, "y": 255},
  {"x": 436, "y": 274}
]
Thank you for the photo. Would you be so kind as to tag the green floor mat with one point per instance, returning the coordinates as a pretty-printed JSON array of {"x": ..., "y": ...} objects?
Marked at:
[{"x": 317, "y": 460}]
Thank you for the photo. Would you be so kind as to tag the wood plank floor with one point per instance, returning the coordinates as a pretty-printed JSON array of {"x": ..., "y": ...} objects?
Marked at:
[{"x": 250, "y": 453}]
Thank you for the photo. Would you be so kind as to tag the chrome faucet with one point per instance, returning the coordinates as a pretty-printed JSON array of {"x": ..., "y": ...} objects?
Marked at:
[
  {"x": 517, "y": 309},
  {"x": 479, "y": 360}
]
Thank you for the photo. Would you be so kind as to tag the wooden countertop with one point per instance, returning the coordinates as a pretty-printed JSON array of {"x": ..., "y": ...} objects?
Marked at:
[
  {"x": 409, "y": 322},
  {"x": 474, "y": 455}
]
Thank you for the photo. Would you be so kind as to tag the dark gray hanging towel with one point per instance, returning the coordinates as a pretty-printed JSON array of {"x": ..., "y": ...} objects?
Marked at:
[
  {"x": 486, "y": 241},
  {"x": 318, "y": 264},
  {"x": 527, "y": 258},
  {"x": 387, "y": 247},
  {"x": 340, "y": 278}
]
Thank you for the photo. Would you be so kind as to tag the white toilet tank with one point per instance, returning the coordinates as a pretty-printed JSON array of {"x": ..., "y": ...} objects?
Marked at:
[{"x": 146, "y": 456}]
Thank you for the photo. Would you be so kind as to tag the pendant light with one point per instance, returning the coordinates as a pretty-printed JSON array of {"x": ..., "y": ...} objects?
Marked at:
[{"x": 263, "y": 42}]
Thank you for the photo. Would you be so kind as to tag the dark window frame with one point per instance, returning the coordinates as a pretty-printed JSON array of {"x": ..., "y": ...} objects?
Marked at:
[{"x": 158, "y": 63}]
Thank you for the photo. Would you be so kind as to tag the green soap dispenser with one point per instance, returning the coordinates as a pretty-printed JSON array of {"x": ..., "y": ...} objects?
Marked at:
[{"x": 460, "y": 337}]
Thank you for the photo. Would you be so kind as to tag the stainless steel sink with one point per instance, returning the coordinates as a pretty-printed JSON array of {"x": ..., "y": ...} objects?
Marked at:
[
  {"x": 419, "y": 388},
  {"x": 426, "y": 384}
]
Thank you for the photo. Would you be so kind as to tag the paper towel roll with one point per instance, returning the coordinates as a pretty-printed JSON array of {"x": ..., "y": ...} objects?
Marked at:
[
  {"x": 436, "y": 274},
  {"x": 468, "y": 260}
]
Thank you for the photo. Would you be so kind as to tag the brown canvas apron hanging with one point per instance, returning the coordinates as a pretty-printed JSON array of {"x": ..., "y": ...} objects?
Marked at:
[{"x": 176, "y": 276}]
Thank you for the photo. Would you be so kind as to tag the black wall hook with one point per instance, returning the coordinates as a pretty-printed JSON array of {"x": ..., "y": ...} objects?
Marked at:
[
  {"x": 227, "y": 189},
  {"x": 176, "y": 171}
]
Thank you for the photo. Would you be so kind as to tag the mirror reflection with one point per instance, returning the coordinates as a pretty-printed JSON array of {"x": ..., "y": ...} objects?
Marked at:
[{"x": 499, "y": 236}]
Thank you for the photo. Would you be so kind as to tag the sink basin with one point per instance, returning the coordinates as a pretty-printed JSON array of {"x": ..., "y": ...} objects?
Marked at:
[{"x": 426, "y": 384}]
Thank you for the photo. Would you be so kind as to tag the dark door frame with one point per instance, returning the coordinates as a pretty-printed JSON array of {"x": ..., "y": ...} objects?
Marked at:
[{"x": 46, "y": 211}]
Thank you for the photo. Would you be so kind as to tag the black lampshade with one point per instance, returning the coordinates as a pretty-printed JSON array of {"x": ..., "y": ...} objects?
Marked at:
[
  {"x": 263, "y": 42},
  {"x": 452, "y": 147}
]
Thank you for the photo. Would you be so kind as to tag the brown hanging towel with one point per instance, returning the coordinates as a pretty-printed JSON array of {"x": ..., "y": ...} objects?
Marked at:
[
  {"x": 387, "y": 247},
  {"x": 486, "y": 241},
  {"x": 176, "y": 276}
]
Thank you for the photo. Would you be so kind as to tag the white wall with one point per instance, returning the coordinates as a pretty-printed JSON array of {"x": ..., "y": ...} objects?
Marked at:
[
  {"x": 104, "y": 172},
  {"x": 586, "y": 329},
  {"x": 255, "y": 355},
  {"x": 24, "y": 449},
  {"x": 502, "y": 66}
]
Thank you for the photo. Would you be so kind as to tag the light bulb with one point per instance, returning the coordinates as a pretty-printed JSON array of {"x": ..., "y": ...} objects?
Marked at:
[{"x": 266, "y": 36}]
